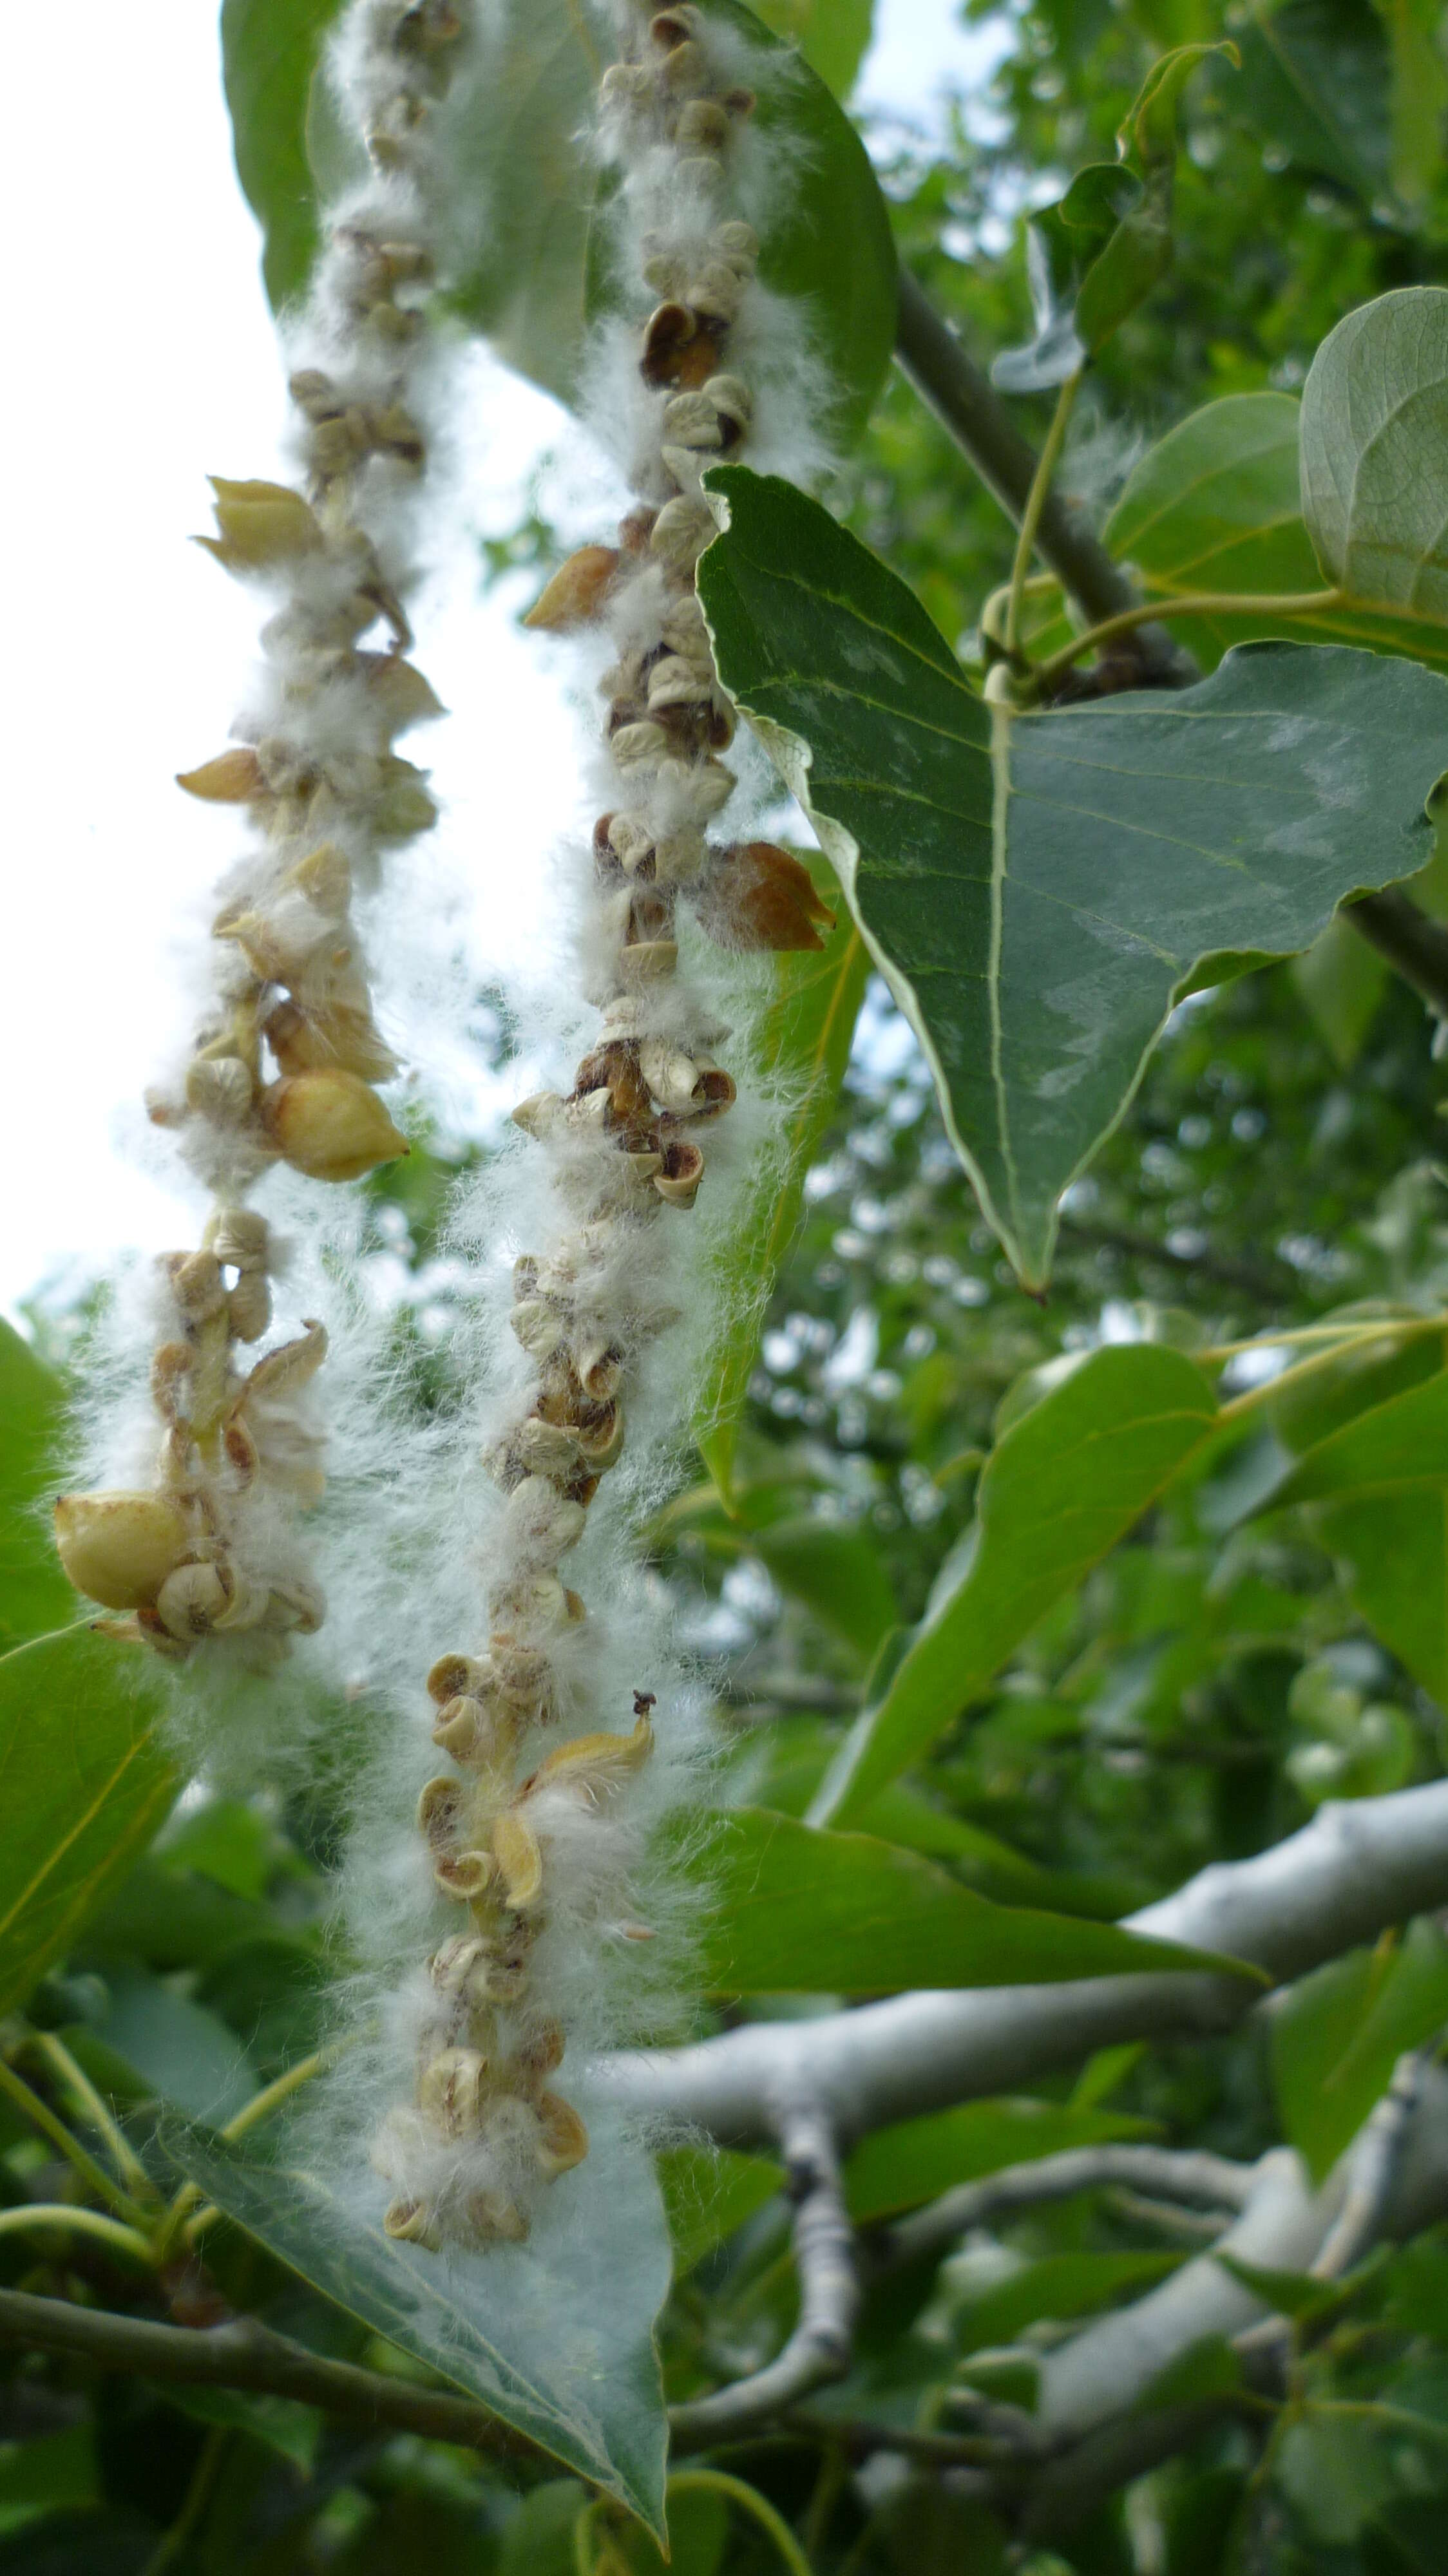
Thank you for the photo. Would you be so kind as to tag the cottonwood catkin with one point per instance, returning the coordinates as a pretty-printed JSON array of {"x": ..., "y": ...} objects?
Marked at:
[
  {"x": 204, "y": 1551},
  {"x": 536, "y": 1834}
]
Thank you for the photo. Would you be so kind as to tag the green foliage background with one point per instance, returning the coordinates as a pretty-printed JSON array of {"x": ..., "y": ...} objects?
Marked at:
[{"x": 1251, "y": 1639}]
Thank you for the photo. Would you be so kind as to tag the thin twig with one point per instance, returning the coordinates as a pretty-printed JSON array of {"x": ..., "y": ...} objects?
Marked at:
[
  {"x": 965, "y": 401},
  {"x": 41, "y": 2116},
  {"x": 1206, "y": 1264},
  {"x": 824, "y": 2249},
  {"x": 244, "y": 2354},
  {"x": 1372, "y": 2172},
  {"x": 78, "y": 2084},
  {"x": 1205, "y": 2181},
  {"x": 1042, "y": 483}
]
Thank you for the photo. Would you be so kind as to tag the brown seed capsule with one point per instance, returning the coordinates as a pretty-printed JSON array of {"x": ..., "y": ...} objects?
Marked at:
[
  {"x": 232, "y": 778},
  {"x": 563, "y": 2139},
  {"x": 119, "y": 1548},
  {"x": 496, "y": 2220},
  {"x": 702, "y": 127},
  {"x": 329, "y": 1125},
  {"x": 577, "y": 591},
  {"x": 678, "y": 1182},
  {"x": 763, "y": 897},
  {"x": 454, "y": 1673}
]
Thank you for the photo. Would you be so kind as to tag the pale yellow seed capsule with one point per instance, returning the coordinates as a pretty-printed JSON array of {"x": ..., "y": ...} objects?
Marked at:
[
  {"x": 413, "y": 2222},
  {"x": 330, "y": 1125},
  {"x": 119, "y": 1548},
  {"x": 563, "y": 2139},
  {"x": 450, "y": 2092}
]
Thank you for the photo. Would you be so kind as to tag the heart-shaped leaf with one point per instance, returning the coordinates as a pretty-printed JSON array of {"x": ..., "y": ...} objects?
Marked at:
[
  {"x": 1037, "y": 890},
  {"x": 554, "y": 2336},
  {"x": 1374, "y": 475}
]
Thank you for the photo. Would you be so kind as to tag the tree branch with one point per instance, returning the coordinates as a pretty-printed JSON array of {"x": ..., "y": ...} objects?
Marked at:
[
  {"x": 244, "y": 2354},
  {"x": 1206, "y": 2181},
  {"x": 821, "y": 2345},
  {"x": 965, "y": 401},
  {"x": 1396, "y": 926},
  {"x": 1342, "y": 1880}
]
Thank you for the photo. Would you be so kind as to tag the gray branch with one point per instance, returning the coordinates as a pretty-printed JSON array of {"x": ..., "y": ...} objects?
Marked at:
[
  {"x": 244, "y": 2354},
  {"x": 829, "y": 2294},
  {"x": 1205, "y": 2181},
  {"x": 1342, "y": 1880}
]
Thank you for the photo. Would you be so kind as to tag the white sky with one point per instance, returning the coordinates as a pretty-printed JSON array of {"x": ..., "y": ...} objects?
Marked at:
[{"x": 143, "y": 357}]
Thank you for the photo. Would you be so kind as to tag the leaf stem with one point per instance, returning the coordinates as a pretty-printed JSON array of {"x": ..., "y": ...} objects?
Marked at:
[
  {"x": 250, "y": 2116},
  {"x": 1191, "y": 603},
  {"x": 193, "y": 2504},
  {"x": 750, "y": 2501},
  {"x": 42, "y": 2117},
  {"x": 76, "y": 2081},
  {"x": 78, "y": 2222},
  {"x": 1041, "y": 481}
]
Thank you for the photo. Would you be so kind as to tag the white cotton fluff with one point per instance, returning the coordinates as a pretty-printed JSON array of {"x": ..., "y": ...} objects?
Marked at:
[
  {"x": 616, "y": 1305},
  {"x": 200, "y": 1548}
]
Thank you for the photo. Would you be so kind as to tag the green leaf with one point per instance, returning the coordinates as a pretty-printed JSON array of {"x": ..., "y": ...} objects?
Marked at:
[
  {"x": 280, "y": 2423},
  {"x": 1381, "y": 1486},
  {"x": 1038, "y": 889},
  {"x": 1317, "y": 76},
  {"x": 269, "y": 53},
  {"x": 1341, "y": 981},
  {"x": 34, "y": 1594},
  {"x": 555, "y": 2336},
  {"x": 1217, "y": 505},
  {"x": 832, "y": 35},
  {"x": 1064, "y": 1482},
  {"x": 1098, "y": 252},
  {"x": 1374, "y": 426},
  {"x": 1338, "y": 2034},
  {"x": 804, "y": 1044},
  {"x": 708, "y": 2192},
  {"x": 1293, "y": 2294},
  {"x": 83, "y": 1785},
  {"x": 797, "y": 1911},
  {"x": 1059, "y": 2286},
  {"x": 165, "y": 2047},
  {"x": 1207, "y": 2369},
  {"x": 916, "y": 2160}
]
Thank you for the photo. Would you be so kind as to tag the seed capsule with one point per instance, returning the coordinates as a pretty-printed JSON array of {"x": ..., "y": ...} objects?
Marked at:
[
  {"x": 330, "y": 1125},
  {"x": 232, "y": 778},
  {"x": 577, "y": 591},
  {"x": 119, "y": 1548}
]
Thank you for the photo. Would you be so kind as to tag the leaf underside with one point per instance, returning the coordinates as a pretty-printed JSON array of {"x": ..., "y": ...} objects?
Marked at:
[
  {"x": 555, "y": 2337},
  {"x": 1038, "y": 889}
]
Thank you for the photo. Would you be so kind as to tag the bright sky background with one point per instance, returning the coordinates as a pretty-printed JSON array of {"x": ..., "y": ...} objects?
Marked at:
[{"x": 142, "y": 358}]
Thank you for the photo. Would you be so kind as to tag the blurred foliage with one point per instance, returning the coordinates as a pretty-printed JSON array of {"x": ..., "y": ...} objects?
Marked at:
[{"x": 1208, "y": 1686}]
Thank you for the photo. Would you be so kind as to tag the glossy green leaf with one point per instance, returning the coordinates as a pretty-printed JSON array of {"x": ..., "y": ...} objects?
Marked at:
[
  {"x": 916, "y": 2160},
  {"x": 1380, "y": 1485},
  {"x": 708, "y": 2192},
  {"x": 555, "y": 2336},
  {"x": 83, "y": 1785},
  {"x": 1059, "y": 2286},
  {"x": 1374, "y": 440},
  {"x": 269, "y": 53},
  {"x": 804, "y": 1044},
  {"x": 166, "y": 2048},
  {"x": 1064, "y": 1482},
  {"x": 796, "y": 1911},
  {"x": 1037, "y": 889},
  {"x": 832, "y": 35},
  {"x": 1337, "y": 2035},
  {"x": 1217, "y": 505}
]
